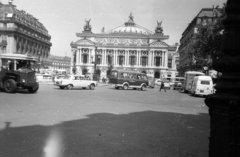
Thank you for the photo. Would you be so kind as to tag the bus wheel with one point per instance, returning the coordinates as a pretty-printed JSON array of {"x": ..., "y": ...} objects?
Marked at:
[
  {"x": 116, "y": 87},
  {"x": 34, "y": 88},
  {"x": 143, "y": 87},
  {"x": 10, "y": 86},
  {"x": 125, "y": 87},
  {"x": 61, "y": 87}
]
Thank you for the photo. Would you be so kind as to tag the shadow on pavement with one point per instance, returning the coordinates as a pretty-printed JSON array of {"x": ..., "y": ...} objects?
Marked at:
[{"x": 139, "y": 134}]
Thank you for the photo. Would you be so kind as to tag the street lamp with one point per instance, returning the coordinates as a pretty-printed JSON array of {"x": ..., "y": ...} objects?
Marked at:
[
  {"x": 39, "y": 53},
  {"x": 95, "y": 65}
]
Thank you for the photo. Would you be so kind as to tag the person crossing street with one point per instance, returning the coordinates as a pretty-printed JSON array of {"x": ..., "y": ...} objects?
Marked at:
[{"x": 162, "y": 87}]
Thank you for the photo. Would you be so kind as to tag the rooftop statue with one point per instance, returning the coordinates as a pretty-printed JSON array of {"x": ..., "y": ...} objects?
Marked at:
[
  {"x": 159, "y": 24},
  {"x": 87, "y": 22},
  {"x": 87, "y": 27},
  {"x": 159, "y": 27},
  {"x": 130, "y": 18}
]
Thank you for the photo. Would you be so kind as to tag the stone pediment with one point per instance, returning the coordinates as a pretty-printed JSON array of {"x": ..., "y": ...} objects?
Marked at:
[
  {"x": 84, "y": 42},
  {"x": 158, "y": 44}
]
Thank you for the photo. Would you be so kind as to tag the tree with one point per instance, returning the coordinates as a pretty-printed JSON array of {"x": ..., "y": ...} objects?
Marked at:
[{"x": 207, "y": 42}]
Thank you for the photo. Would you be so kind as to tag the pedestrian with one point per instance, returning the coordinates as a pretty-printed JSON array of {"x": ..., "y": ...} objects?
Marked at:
[{"x": 162, "y": 86}]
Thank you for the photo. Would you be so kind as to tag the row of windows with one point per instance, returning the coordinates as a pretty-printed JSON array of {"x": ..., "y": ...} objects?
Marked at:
[
  {"x": 127, "y": 75},
  {"x": 121, "y": 60}
]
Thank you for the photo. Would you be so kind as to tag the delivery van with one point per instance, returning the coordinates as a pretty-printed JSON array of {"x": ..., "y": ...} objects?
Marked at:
[
  {"x": 202, "y": 85},
  {"x": 189, "y": 76}
]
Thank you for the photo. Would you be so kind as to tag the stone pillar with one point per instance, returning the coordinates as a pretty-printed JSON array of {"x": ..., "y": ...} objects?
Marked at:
[
  {"x": 224, "y": 105},
  {"x": 125, "y": 58},
  {"x": 80, "y": 56},
  {"x": 77, "y": 57},
  {"x": 89, "y": 56}
]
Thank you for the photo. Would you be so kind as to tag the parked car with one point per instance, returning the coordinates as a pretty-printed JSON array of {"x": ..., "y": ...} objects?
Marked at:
[
  {"x": 177, "y": 85},
  {"x": 76, "y": 81},
  {"x": 158, "y": 82},
  {"x": 166, "y": 83}
]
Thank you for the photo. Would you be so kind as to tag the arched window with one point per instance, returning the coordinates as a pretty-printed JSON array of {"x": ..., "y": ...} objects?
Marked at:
[
  {"x": 158, "y": 61},
  {"x": 84, "y": 71},
  {"x": 156, "y": 75},
  {"x": 132, "y": 60},
  {"x": 121, "y": 60},
  {"x": 85, "y": 58},
  {"x": 144, "y": 61}
]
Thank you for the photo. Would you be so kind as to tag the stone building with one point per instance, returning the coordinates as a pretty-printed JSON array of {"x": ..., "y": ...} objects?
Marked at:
[
  {"x": 206, "y": 16},
  {"x": 22, "y": 33},
  {"x": 129, "y": 46},
  {"x": 54, "y": 62}
]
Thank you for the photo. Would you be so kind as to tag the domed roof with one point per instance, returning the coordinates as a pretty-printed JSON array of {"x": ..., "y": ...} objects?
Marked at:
[{"x": 130, "y": 28}]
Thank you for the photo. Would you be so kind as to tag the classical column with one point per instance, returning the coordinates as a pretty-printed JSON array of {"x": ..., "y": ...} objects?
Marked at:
[
  {"x": 153, "y": 63},
  {"x": 77, "y": 57},
  {"x": 89, "y": 56},
  {"x": 149, "y": 58},
  {"x": 224, "y": 105},
  {"x": 166, "y": 59},
  {"x": 80, "y": 56},
  {"x": 125, "y": 55},
  {"x": 104, "y": 57},
  {"x": 163, "y": 59}
]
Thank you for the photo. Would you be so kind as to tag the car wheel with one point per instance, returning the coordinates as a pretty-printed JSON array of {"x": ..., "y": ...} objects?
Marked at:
[
  {"x": 116, "y": 87},
  {"x": 92, "y": 86},
  {"x": 10, "y": 86},
  {"x": 34, "y": 88},
  {"x": 61, "y": 87},
  {"x": 69, "y": 86},
  {"x": 143, "y": 87},
  {"x": 125, "y": 87}
]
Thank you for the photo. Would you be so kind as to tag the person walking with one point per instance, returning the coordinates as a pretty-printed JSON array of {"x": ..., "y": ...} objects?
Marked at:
[{"x": 162, "y": 86}]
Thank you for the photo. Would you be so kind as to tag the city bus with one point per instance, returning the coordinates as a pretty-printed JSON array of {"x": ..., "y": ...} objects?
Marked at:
[{"x": 125, "y": 79}]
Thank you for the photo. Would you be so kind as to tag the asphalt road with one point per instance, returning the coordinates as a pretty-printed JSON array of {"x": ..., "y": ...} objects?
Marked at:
[{"x": 103, "y": 122}]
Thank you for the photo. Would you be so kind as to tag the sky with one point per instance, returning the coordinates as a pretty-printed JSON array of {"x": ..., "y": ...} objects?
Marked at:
[{"x": 64, "y": 18}]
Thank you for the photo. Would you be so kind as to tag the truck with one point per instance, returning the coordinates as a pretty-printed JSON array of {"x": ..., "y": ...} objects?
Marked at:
[
  {"x": 202, "y": 85},
  {"x": 189, "y": 76},
  {"x": 17, "y": 71}
]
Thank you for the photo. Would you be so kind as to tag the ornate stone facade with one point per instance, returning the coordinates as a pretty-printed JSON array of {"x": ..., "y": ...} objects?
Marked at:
[
  {"x": 22, "y": 33},
  {"x": 129, "y": 46}
]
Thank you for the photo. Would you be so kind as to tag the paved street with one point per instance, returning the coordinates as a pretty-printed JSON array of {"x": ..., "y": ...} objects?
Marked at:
[{"x": 103, "y": 122}]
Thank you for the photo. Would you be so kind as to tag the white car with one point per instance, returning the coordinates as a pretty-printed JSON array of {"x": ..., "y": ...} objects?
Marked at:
[
  {"x": 158, "y": 82},
  {"x": 76, "y": 81},
  {"x": 166, "y": 83}
]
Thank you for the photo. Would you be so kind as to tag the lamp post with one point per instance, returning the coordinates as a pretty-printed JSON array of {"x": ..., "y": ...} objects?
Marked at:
[
  {"x": 224, "y": 106},
  {"x": 39, "y": 55},
  {"x": 95, "y": 65}
]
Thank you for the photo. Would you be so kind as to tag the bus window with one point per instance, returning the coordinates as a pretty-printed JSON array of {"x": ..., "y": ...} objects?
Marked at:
[
  {"x": 114, "y": 74},
  {"x": 144, "y": 77}
]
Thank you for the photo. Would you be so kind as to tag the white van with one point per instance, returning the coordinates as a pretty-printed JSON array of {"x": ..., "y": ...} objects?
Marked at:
[
  {"x": 189, "y": 76},
  {"x": 202, "y": 85}
]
